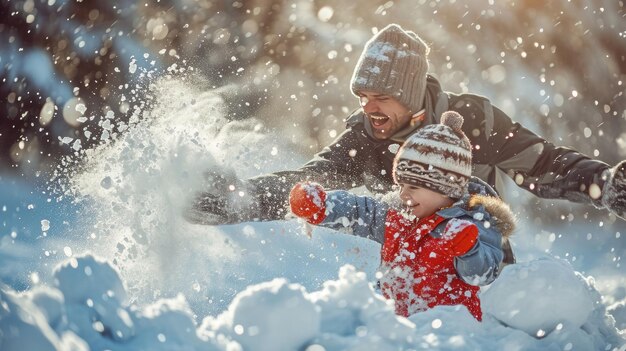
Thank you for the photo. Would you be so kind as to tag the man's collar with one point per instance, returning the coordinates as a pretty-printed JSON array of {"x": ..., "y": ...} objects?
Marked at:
[{"x": 416, "y": 122}]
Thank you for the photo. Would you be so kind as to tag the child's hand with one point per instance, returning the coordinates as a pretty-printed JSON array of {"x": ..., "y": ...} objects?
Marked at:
[
  {"x": 308, "y": 200},
  {"x": 459, "y": 237}
]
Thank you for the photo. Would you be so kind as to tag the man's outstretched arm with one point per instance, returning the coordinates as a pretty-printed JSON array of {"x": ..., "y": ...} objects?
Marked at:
[
  {"x": 338, "y": 166},
  {"x": 553, "y": 172},
  {"x": 227, "y": 199}
]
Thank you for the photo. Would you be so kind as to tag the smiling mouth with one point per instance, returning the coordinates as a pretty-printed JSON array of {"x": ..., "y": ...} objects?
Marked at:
[
  {"x": 378, "y": 120},
  {"x": 410, "y": 206}
]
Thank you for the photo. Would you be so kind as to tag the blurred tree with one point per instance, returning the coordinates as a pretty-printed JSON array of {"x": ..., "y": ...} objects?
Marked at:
[{"x": 65, "y": 69}]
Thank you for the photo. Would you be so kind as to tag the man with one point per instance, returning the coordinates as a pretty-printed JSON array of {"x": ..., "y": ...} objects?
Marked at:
[{"x": 397, "y": 98}]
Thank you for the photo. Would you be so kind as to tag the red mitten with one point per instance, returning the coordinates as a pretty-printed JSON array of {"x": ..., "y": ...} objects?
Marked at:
[
  {"x": 459, "y": 237},
  {"x": 308, "y": 201}
]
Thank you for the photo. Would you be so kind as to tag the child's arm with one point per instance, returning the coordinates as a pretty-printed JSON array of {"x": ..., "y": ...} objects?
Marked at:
[
  {"x": 476, "y": 250},
  {"x": 480, "y": 265},
  {"x": 339, "y": 209}
]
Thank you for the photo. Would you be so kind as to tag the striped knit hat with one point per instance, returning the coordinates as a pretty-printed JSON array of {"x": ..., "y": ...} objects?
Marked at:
[
  {"x": 393, "y": 62},
  {"x": 437, "y": 157}
]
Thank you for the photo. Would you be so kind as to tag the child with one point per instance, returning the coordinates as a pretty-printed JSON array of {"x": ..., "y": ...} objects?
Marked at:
[{"x": 448, "y": 238}]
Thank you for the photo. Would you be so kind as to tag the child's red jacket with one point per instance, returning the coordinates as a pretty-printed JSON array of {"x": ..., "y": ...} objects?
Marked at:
[{"x": 417, "y": 271}]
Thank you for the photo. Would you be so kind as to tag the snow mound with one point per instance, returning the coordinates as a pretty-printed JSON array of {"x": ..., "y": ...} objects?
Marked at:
[
  {"x": 538, "y": 296},
  {"x": 87, "y": 309},
  {"x": 23, "y": 326},
  {"x": 266, "y": 312},
  {"x": 618, "y": 311}
]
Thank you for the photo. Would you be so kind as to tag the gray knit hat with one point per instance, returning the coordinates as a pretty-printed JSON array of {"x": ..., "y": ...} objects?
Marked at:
[
  {"x": 437, "y": 157},
  {"x": 394, "y": 62}
]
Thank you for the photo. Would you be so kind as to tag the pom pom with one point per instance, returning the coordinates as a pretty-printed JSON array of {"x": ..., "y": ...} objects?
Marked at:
[{"x": 453, "y": 120}]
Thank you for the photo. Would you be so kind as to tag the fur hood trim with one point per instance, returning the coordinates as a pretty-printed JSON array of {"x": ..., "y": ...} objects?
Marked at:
[{"x": 500, "y": 212}]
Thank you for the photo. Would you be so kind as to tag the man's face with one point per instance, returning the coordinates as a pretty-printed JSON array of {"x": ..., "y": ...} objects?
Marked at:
[
  {"x": 422, "y": 202},
  {"x": 386, "y": 115}
]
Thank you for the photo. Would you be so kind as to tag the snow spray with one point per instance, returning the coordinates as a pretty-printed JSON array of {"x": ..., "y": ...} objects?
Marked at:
[{"x": 136, "y": 184}]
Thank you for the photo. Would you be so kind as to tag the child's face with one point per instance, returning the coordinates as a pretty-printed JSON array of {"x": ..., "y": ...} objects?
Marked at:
[{"x": 422, "y": 202}]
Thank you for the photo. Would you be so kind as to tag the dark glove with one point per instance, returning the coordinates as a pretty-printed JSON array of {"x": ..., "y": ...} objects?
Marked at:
[
  {"x": 308, "y": 200},
  {"x": 614, "y": 190},
  {"x": 224, "y": 200}
]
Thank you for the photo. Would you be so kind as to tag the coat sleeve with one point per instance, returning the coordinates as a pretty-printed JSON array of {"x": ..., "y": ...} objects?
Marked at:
[
  {"x": 363, "y": 216},
  {"x": 339, "y": 165},
  {"x": 480, "y": 265},
  {"x": 536, "y": 165}
]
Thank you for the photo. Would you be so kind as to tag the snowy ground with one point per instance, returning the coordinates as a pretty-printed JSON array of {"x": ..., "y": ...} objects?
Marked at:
[{"x": 111, "y": 264}]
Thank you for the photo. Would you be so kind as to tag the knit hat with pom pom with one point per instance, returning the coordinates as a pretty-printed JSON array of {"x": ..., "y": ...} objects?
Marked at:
[{"x": 437, "y": 157}]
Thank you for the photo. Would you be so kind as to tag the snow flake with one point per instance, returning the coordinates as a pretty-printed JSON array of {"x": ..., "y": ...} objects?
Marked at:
[
  {"x": 45, "y": 225},
  {"x": 66, "y": 140},
  {"x": 393, "y": 148},
  {"x": 325, "y": 13},
  {"x": 76, "y": 145},
  {"x": 132, "y": 66},
  {"x": 479, "y": 216}
]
